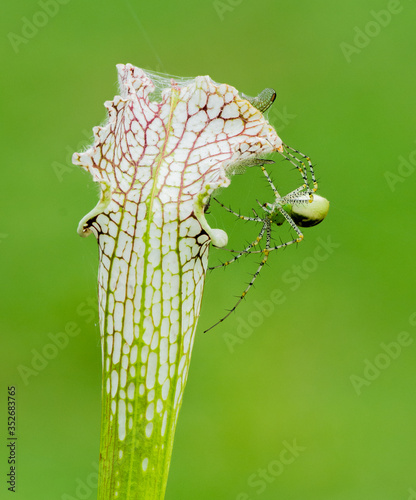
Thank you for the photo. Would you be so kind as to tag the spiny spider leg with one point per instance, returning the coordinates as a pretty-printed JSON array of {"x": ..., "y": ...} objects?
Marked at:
[
  {"x": 311, "y": 170},
  {"x": 257, "y": 219},
  {"x": 265, "y": 252},
  {"x": 289, "y": 219},
  {"x": 302, "y": 169},
  {"x": 277, "y": 195},
  {"x": 301, "y": 166},
  {"x": 271, "y": 216},
  {"x": 279, "y": 201},
  {"x": 265, "y": 227},
  {"x": 253, "y": 279}
]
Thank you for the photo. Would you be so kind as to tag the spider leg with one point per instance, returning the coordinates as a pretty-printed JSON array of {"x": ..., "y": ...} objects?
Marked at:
[
  {"x": 294, "y": 227},
  {"x": 277, "y": 195},
  {"x": 266, "y": 224},
  {"x": 239, "y": 215},
  {"x": 298, "y": 195},
  {"x": 253, "y": 279},
  {"x": 266, "y": 251},
  {"x": 293, "y": 196},
  {"x": 299, "y": 238},
  {"x": 302, "y": 169},
  {"x": 311, "y": 170},
  {"x": 301, "y": 166}
]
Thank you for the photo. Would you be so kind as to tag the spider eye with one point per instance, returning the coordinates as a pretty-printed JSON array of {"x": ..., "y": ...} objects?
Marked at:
[{"x": 310, "y": 214}]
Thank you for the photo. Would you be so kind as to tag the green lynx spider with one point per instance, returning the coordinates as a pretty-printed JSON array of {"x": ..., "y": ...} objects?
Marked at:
[{"x": 300, "y": 208}]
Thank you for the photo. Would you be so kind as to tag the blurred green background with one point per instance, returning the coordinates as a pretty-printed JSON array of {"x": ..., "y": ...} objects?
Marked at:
[{"x": 345, "y": 98}]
